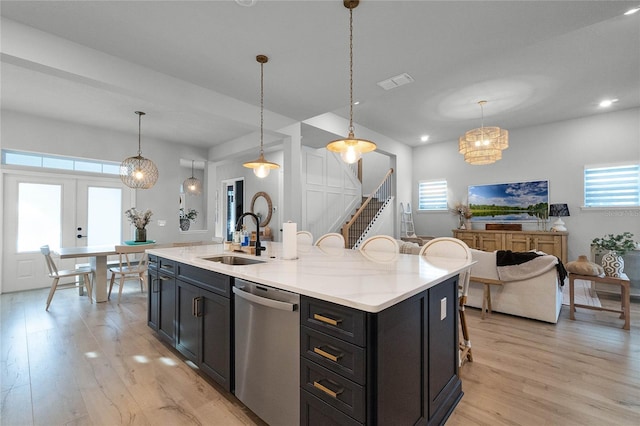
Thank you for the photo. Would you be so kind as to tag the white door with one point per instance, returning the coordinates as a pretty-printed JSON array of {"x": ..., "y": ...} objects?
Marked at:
[{"x": 58, "y": 211}]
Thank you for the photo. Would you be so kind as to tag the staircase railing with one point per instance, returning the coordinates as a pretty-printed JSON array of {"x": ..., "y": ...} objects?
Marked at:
[{"x": 353, "y": 229}]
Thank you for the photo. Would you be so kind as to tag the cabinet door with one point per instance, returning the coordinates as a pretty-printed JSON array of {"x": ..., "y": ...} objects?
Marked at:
[
  {"x": 518, "y": 242},
  {"x": 490, "y": 241},
  {"x": 187, "y": 323},
  {"x": 166, "y": 295},
  {"x": 470, "y": 238},
  {"x": 549, "y": 244},
  {"x": 215, "y": 312},
  {"x": 443, "y": 348},
  {"x": 152, "y": 306}
]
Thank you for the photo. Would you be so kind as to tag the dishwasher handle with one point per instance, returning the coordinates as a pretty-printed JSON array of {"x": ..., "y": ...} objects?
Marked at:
[{"x": 270, "y": 303}]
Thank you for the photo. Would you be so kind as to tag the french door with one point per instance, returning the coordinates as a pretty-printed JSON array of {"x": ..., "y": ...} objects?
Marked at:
[{"x": 59, "y": 211}]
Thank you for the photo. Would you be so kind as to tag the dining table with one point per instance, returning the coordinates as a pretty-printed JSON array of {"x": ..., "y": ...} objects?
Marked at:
[{"x": 97, "y": 256}]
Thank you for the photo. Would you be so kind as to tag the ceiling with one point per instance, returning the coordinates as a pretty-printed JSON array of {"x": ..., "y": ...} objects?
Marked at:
[{"x": 534, "y": 62}]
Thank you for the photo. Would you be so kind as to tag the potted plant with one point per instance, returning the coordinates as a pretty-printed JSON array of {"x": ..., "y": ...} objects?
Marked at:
[
  {"x": 614, "y": 246},
  {"x": 140, "y": 220},
  {"x": 186, "y": 217}
]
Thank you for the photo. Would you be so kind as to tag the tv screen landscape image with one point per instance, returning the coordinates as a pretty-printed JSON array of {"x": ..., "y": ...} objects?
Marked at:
[{"x": 509, "y": 202}]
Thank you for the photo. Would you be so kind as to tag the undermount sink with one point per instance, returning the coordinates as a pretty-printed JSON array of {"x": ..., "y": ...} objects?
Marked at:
[{"x": 233, "y": 260}]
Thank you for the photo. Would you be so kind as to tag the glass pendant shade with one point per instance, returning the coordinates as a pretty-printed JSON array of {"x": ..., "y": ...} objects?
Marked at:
[
  {"x": 351, "y": 148},
  {"x": 192, "y": 185},
  {"x": 261, "y": 167},
  {"x": 138, "y": 172},
  {"x": 483, "y": 145}
]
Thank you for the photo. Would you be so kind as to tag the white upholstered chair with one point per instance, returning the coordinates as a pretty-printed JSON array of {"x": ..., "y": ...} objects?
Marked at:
[
  {"x": 84, "y": 273},
  {"x": 380, "y": 243},
  {"x": 304, "y": 238},
  {"x": 454, "y": 248},
  {"x": 128, "y": 266},
  {"x": 332, "y": 239}
]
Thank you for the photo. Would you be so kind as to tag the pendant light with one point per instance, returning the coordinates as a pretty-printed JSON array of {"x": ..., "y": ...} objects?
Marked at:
[
  {"x": 138, "y": 172},
  {"x": 350, "y": 148},
  {"x": 192, "y": 185},
  {"x": 261, "y": 167},
  {"x": 483, "y": 145}
]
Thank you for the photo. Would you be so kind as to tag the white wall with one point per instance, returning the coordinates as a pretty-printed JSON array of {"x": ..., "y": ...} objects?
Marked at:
[
  {"x": 229, "y": 170},
  {"x": 555, "y": 152},
  {"x": 32, "y": 133}
]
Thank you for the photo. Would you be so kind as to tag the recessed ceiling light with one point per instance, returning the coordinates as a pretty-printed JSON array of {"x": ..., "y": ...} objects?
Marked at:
[
  {"x": 607, "y": 103},
  {"x": 632, "y": 11},
  {"x": 356, "y": 103},
  {"x": 424, "y": 138}
]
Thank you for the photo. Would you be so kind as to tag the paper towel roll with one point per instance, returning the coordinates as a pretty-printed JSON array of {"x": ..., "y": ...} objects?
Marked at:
[{"x": 289, "y": 241}]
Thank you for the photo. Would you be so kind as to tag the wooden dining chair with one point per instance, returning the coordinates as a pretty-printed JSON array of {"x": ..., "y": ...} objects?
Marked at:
[
  {"x": 304, "y": 238},
  {"x": 83, "y": 273},
  {"x": 128, "y": 266},
  {"x": 458, "y": 249},
  {"x": 332, "y": 239}
]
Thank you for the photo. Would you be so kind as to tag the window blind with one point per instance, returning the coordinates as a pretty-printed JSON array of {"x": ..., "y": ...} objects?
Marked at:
[
  {"x": 432, "y": 195},
  {"x": 616, "y": 186}
]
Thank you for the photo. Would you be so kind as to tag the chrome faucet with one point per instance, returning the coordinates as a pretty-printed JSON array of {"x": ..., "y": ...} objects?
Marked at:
[{"x": 259, "y": 248}]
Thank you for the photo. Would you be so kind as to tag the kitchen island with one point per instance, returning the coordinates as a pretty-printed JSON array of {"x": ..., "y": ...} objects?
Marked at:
[{"x": 378, "y": 332}]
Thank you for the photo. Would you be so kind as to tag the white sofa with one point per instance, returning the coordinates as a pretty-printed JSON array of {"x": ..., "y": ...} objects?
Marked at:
[{"x": 538, "y": 298}]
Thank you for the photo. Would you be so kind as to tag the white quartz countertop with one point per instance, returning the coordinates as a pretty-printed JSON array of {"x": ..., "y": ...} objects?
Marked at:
[{"x": 369, "y": 282}]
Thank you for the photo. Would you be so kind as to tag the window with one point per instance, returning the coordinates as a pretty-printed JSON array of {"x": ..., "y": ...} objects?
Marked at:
[
  {"x": 46, "y": 161},
  {"x": 432, "y": 195},
  {"x": 39, "y": 216},
  {"x": 612, "y": 186}
]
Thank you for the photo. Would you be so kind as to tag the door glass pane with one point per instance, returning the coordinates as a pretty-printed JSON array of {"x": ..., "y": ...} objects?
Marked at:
[
  {"x": 104, "y": 216},
  {"x": 39, "y": 216}
]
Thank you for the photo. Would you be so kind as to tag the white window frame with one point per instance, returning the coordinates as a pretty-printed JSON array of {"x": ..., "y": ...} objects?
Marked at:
[
  {"x": 434, "y": 184},
  {"x": 612, "y": 205},
  {"x": 77, "y": 162}
]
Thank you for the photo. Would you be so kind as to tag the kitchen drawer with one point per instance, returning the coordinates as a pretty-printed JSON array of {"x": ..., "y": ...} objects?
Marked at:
[
  {"x": 315, "y": 412},
  {"x": 338, "y": 321},
  {"x": 335, "y": 354},
  {"x": 153, "y": 261},
  {"x": 167, "y": 266},
  {"x": 209, "y": 280},
  {"x": 332, "y": 388}
]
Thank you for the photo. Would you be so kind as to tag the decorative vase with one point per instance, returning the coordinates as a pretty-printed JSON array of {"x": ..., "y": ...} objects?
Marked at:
[
  {"x": 184, "y": 224},
  {"x": 467, "y": 225},
  {"x": 612, "y": 264},
  {"x": 141, "y": 235}
]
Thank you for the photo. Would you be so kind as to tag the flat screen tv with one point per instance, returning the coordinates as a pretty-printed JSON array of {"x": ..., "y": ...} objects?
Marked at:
[{"x": 510, "y": 202}]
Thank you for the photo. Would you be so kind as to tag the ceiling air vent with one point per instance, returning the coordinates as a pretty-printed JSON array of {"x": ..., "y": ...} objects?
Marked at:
[{"x": 397, "y": 81}]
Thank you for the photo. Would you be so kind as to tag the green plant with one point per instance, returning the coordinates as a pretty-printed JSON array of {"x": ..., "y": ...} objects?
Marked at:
[
  {"x": 619, "y": 244},
  {"x": 190, "y": 214}
]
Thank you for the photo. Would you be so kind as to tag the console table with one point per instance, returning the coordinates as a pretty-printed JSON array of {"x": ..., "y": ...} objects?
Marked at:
[{"x": 554, "y": 243}]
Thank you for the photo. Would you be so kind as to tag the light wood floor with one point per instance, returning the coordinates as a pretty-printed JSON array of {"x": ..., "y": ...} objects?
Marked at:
[{"x": 83, "y": 364}]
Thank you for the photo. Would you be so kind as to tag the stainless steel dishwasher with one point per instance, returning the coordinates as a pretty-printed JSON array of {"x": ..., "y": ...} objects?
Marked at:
[{"x": 267, "y": 352}]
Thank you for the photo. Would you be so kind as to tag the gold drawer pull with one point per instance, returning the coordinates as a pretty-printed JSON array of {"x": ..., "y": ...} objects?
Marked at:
[
  {"x": 326, "y": 354},
  {"x": 323, "y": 388},
  {"x": 326, "y": 320}
]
